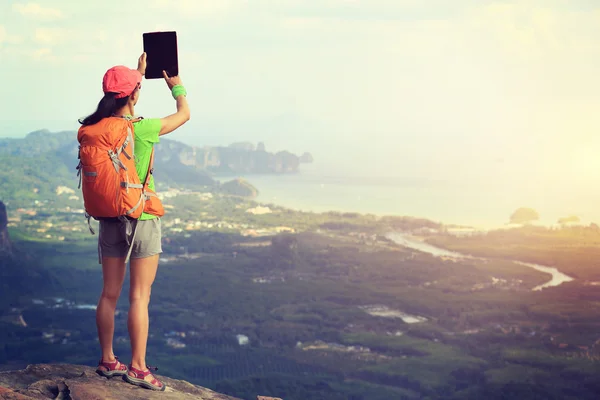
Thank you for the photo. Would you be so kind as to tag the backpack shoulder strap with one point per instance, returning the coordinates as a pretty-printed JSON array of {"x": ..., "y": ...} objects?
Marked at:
[{"x": 150, "y": 168}]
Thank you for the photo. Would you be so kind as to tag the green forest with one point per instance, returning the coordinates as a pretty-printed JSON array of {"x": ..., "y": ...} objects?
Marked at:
[{"x": 311, "y": 304}]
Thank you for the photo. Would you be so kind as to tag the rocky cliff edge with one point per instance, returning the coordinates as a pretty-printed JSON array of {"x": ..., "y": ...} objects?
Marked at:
[{"x": 76, "y": 382}]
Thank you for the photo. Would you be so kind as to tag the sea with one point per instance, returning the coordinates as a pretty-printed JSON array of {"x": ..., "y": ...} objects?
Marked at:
[{"x": 483, "y": 206}]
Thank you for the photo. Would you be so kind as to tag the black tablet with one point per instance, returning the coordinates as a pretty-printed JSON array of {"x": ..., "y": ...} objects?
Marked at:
[{"x": 161, "y": 52}]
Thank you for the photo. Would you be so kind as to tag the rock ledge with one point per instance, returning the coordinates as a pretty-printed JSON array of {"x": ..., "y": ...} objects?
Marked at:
[{"x": 76, "y": 382}]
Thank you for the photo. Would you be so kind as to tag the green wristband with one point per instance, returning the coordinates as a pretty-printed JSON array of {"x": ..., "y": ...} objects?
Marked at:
[{"x": 177, "y": 91}]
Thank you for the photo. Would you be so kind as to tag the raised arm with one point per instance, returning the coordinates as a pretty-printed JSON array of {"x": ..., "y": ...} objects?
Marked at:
[{"x": 174, "y": 121}]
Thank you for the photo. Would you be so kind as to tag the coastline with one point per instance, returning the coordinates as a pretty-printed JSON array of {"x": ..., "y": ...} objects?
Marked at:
[{"x": 482, "y": 208}]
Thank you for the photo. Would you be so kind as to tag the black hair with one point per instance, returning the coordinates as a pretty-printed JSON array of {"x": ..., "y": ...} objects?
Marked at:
[{"x": 107, "y": 106}]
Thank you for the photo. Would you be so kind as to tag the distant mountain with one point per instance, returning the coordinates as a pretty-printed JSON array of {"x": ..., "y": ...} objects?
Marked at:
[
  {"x": 237, "y": 158},
  {"x": 44, "y": 160},
  {"x": 240, "y": 188},
  {"x": 33, "y": 167}
]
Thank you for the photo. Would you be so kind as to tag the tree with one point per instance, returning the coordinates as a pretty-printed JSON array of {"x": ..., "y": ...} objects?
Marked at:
[
  {"x": 573, "y": 219},
  {"x": 524, "y": 215},
  {"x": 284, "y": 250},
  {"x": 306, "y": 158}
]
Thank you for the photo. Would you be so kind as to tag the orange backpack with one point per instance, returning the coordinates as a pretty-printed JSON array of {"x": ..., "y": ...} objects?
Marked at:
[{"x": 107, "y": 176}]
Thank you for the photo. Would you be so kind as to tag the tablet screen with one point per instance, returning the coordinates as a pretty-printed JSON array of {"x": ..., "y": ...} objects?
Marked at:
[{"x": 161, "y": 52}]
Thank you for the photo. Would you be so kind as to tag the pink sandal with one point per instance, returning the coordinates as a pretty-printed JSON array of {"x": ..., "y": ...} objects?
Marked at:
[
  {"x": 140, "y": 379},
  {"x": 114, "y": 368}
]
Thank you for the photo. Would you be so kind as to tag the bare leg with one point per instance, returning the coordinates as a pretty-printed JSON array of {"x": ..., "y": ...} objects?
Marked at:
[
  {"x": 143, "y": 272},
  {"x": 113, "y": 272}
]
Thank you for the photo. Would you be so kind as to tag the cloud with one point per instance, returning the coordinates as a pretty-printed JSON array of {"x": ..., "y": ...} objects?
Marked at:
[
  {"x": 101, "y": 36},
  {"x": 521, "y": 30},
  {"x": 34, "y": 10},
  {"x": 50, "y": 36},
  {"x": 29, "y": 53},
  {"x": 6, "y": 38},
  {"x": 373, "y": 10},
  {"x": 197, "y": 8},
  {"x": 41, "y": 53},
  {"x": 81, "y": 58}
]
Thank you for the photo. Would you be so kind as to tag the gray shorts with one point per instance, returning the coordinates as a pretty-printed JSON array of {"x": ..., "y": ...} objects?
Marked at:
[{"x": 114, "y": 241}]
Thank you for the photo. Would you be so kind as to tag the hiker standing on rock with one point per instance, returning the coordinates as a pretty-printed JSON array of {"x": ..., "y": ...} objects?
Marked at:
[{"x": 115, "y": 169}]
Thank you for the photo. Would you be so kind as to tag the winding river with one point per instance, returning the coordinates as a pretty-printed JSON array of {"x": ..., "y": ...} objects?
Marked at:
[{"x": 408, "y": 241}]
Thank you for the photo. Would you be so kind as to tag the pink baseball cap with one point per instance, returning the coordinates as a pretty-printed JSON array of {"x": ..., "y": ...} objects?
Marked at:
[{"x": 121, "y": 80}]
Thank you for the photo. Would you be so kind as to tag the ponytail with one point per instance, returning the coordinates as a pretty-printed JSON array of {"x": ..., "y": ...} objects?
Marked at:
[{"x": 107, "y": 106}]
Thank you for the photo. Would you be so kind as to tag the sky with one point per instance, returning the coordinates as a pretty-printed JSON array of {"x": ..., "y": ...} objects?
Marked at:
[{"x": 464, "y": 90}]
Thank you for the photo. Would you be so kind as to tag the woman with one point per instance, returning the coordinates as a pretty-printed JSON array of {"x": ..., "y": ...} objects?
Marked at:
[{"x": 121, "y": 87}]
